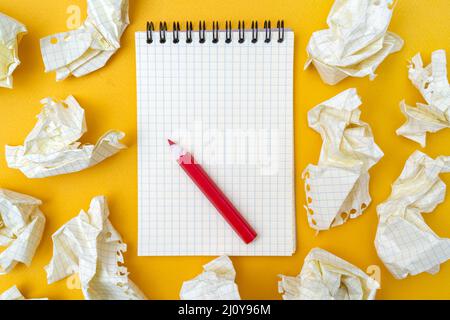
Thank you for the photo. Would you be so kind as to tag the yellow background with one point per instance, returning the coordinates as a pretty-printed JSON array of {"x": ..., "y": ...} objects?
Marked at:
[{"x": 109, "y": 98}]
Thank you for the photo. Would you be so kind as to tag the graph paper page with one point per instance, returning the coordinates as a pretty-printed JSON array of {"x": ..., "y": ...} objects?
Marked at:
[{"x": 231, "y": 106}]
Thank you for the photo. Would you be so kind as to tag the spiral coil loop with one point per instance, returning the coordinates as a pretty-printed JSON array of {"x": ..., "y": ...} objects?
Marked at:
[
  {"x": 229, "y": 32},
  {"x": 241, "y": 28},
  {"x": 268, "y": 28},
  {"x": 280, "y": 29},
  {"x": 202, "y": 31},
  {"x": 162, "y": 32},
  {"x": 255, "y": 31},
  {"x": 176, "y": 32},
  {"x": 215, "y": 31},
  {"x": 189, "y": 29},
  {"x": 280, "y": 26},
  {"x": 150, "y": 30}
]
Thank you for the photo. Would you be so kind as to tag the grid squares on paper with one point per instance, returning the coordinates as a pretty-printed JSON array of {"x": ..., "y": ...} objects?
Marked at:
[
  {"x": 425, "y": 254},
  {"x": 73, "y": 52},
  {"x": 326, "y": 190},
  {"x": 231, "y": 105}
]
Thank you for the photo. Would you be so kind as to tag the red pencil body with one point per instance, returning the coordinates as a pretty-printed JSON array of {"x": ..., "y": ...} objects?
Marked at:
[{"x": 217, "y": 198}]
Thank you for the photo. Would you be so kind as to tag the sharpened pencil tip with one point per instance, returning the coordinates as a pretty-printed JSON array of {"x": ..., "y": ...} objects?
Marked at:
[{"x": 171, "y": 143}]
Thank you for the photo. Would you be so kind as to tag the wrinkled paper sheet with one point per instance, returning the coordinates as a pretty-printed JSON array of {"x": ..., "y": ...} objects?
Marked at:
[
  {"x": 90, "y": 246},
  {"x": 14, "y": 294},
  {"x": 215, "y": 283},
  {"x": 357, "y": 40},
  {"x": 432, "y": 82},
  {"x": 52, "y": 147},
  {"x": 338, "y": 187},
  {"x": 21, "y": 228},
  {"x": 11, "y": 32},
  {"x": 325, "y": 276},
  {"x": 404, "y": 242},
  {"x": 88, "y": 48}
]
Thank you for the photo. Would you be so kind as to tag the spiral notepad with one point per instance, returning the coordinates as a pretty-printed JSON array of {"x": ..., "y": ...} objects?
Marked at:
[{"x": 227, "y": 97}]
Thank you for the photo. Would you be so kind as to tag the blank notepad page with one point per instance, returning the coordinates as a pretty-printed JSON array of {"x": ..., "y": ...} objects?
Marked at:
[{"x": 231, "y": 106}]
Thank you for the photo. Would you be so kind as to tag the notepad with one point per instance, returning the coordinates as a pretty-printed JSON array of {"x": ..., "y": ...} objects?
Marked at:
[{"x": 230, "y": 103}]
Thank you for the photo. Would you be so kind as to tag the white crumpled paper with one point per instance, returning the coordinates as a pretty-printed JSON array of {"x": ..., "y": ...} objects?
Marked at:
[
  {"x": 325, "y": 276},
  {"x": 90, "y": 246},
  {"x": 357, "y": 40},
  {"x": 52, "y": 147},
  {"x": 11, "y": 32},
  {"x": 21, "y": 228},
  {"x": 338, "y": 187},
  {"x": 404, "y": 242},
  {"x": 215, "y": 283},
  {"x": 88, "y": 48},
  {"x": 14, "y": 294},
  {"x": 432, "y": 82}
]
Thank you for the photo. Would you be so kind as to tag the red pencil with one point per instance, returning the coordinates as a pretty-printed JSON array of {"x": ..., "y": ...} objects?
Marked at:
[{"x": 213, "y": 193}]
